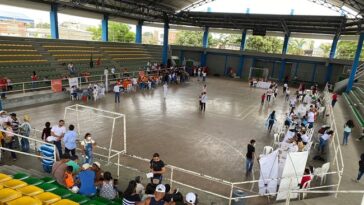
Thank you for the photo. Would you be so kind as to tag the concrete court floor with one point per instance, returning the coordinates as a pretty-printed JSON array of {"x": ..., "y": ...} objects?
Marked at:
[{"x": 211, "y": 143}]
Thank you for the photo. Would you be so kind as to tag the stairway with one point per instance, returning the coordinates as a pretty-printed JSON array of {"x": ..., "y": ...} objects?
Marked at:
[{"x": 341, "y": 85}]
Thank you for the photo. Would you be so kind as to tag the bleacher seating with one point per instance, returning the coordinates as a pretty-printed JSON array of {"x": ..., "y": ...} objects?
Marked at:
[
  {"x": 355, "y": 99},
  {"x": 19, "y": 57},
  {"x": 23, "y": 187}
]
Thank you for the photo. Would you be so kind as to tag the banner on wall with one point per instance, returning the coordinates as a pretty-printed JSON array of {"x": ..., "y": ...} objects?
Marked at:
[
  {"x": 56, "y": 85},
  {"x": 73, "y": 82}
]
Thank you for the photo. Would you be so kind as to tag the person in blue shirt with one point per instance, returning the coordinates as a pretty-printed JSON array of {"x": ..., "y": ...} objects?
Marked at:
[
  {"x": 86, "y": 181},
  {"x": 46, "y": 150},
  {"x": 69, "y": 140}
]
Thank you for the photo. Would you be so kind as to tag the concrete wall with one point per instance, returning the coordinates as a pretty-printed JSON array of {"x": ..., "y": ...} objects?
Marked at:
[
  {"x": 21, "y": 101},
  {"x": 217, "y": 63}
]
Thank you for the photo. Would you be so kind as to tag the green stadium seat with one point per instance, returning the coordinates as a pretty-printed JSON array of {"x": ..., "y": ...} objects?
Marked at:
[
  {"x": 20, "y": 176},
  {"x": 25, "y": 200},
  {"x": 78, "y": 198},
  {"x": 95, "y": 202},
  {"x": 62, "y": 192},
  {"x": 47, "y": 186},
  {"x": 65, "y": 202},
  {"x": 48, "y": 179},
  {"x": 33, "y": 181}
]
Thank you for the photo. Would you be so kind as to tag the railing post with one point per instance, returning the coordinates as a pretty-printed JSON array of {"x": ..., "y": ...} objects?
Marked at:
[
  {"x": 23, "y": 84},
  {"x": 119, "y": 165},
  {"x": 171, "y": 178},
  {"x": 289, "y": 193},
  {"x": 231, "y": 193}
]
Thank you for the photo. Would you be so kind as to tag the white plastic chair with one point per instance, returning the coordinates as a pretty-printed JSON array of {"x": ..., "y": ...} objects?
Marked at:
[
  {"x": 276, "y": 140},
  {"x": 267, "y": 150},
  {"x": 321, "y": 172}
]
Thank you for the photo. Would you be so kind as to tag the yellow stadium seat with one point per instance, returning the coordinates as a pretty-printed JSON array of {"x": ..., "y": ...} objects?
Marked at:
[
  {"x": 25, "y": 200},
  {"x": 30, "y": 190},
  {"x": 1, "y": 186},
  {"x": 14, "y": 184},
  {"x": 8, "y": 195},
  {"x": 4, "y": 177},
  {"x": 65, "y": 202},
  {"x": 47, "y": 198}
]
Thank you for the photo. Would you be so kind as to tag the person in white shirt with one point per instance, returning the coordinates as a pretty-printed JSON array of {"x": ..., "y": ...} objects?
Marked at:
[
  {"x": 292, "y": 102},
  {"x": 3, "y": 118},
  {"x": 285, "y": 86},
  {"x": 95, "y": 92},
  {"x": 198, "y": 74},
  {"x": 165, "y": 90},
  {"x": 204, "y": 74},
  {"x": 287, "y": 93},
  {"x": 113, "y": 72},
  {"x": 203, "y": 101},
  {"x": 310, "y": 118},
  {"x": 269, "y": 94},
  {"x": 58, "y": 132},
  {"x": 117, "y": 93},
  {"x": 304, "y": 137}
]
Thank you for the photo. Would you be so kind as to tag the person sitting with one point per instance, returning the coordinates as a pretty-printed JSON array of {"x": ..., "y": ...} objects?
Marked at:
[
  {"x": 73, "y": 163},
  {"x": 149, "y": 191},
  {"x": 96, "y": 167},
  {"x": 107, "y": 189},
  {"x": 307, "y": 177},
  {"x": 130, "y": 197},
  {"x": 86, "y": 181},
  {"x": 59, "y": 168},
  {"x": 68, "y": 177},
  {"x": 157, "y": 199}
]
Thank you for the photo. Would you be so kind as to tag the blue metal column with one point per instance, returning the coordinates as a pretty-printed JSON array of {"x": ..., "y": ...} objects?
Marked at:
[
  {"x": 105, "y": 28},
  {"x": 355, "y": 63},
  {"x": 138, "y": 33},
  {"x": 205, "y": 42},
  {"x": 283, "y": 63},
  {"x": 331, "y": 57},
  {"x": 54, "y": 21},
  {"x": 226, "y": 71},
  {"x": 314, "y": 72},
  {"x": 165, "y": 44},
  {"x": 242, "y": 47}
]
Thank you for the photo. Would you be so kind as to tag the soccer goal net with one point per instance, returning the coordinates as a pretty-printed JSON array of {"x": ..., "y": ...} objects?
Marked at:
[
  {"x": 259, "y": 73},
  {"x": 108, "y": 129}
]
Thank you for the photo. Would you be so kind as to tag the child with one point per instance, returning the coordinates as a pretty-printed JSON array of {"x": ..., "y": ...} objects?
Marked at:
[
  {"x": 263, "y": 99},
  {"x": 68, "y": 177}
]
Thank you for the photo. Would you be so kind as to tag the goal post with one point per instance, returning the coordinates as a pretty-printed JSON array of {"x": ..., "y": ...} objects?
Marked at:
[
  {"x": 259, "y": 73},
  {"x": 107, "y": 127}
]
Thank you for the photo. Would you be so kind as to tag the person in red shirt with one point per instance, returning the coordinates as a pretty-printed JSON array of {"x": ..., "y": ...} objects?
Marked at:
[
  {"x": 3, "y": 86},
  {"x": 305, "y": 178},
  {"x": 34, "y": 78},
  {"x": 334, "y": 99},
  {"x": 263, "y": 98}
]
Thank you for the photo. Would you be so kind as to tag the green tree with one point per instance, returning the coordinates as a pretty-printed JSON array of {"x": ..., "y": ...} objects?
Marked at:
[
  {"x": 267, "y": 44},
  {"x": 295, "y": 46},
  {"x": 325, "y": 47},
  {"x": 192, "y": 38},
  {"x": 42, "y": 25},
  {"x": 118, "y": 32},
  {"x": 346, "y": 49}
]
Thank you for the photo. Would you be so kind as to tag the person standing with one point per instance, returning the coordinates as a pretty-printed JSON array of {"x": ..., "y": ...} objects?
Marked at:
[
  {"x": 46, "y": 131},
  {"x": 310, "y": 118},
  {"x": 204, "y": 74},
  {"x": 88, "y": 145},
  {"x": 347, "y": 131},
  {"x": 334, "y": 99},
  {"x": 58, "y": 132},
  {"x": 250, "y": 156},
  {"x": 203, "y": 101},
  {"x": 262, "y": 99},
  {"x": 271, "y": 120},
  {"x": 165, "y": 90},
  {"x": 113, "y": 72},
  {"x": 269, "y": 94},
  {"x": 117, "y": 92},
  {"x": 287, "y": 93},
  {"x": 204, "y": 88},
  {"x": 323, "y": 140},
  {"x": 285, "y": 86},
  {"x": 69, "y": 140},
  {"x": 9, "y": 139},
  {"x": 157, "y": 167},
  {"x": 361, "y": 168},
  {"x": 34, "y": 78},
  {"x": 15, "y": 126},
  {"x": 25, "y": 129}
]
